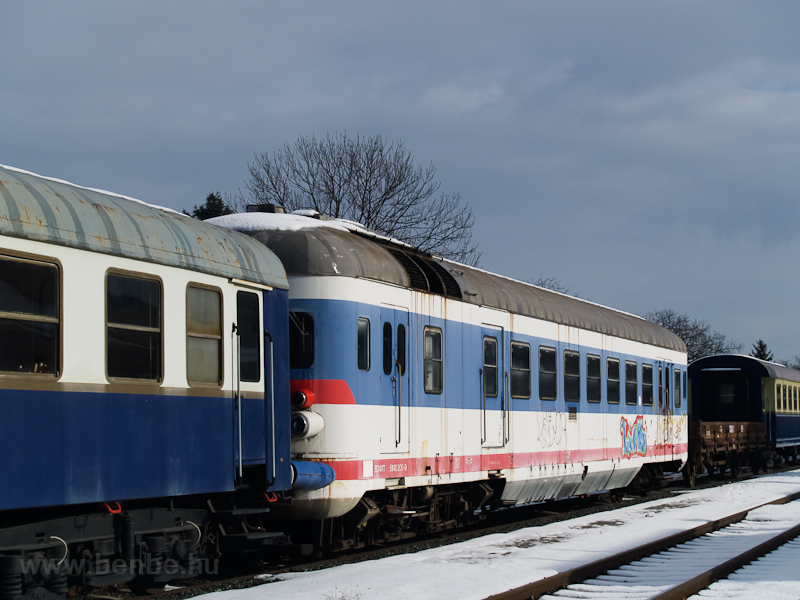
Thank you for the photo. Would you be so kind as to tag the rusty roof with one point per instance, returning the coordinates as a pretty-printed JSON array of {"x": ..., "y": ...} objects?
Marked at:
[{"x": 57, "y": 212}]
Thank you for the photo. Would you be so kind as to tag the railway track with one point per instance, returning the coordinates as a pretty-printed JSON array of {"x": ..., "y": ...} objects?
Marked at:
[
  {"x": 672, "y": 568},
  {"x": 502, "y": 522}
]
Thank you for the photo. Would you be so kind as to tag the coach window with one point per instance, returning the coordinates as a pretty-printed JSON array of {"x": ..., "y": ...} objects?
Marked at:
[
  {"x": 301, "y": 340},
  {"x": 631, "y": 382},
  {"x": 678, "y": 394},
  {"x": 29, "y": 316},
  {"x": 547, "y": 373},
  {"x": 401, "y": 348},
  {"x": 388, "y": 363},
  {"x": 490, "y": 367},
  {"x": 133, "y": 333},
  {"x": 432, "y": 360},
  {"x": 363, "y": 344},
  {"x": 572, "y": 376},
  {"x": 612, "y": 380},
  {"x": 520, "y": 370},
  {"x": 685, "y": 385},
  {"x": 778, "y": 400},
  {"x": 204, "y": 335},
  {"x": 647, "y": 385},
  {"x": 785, "y": 399},
  {"x": 593, "y": 381},
  {"x": 660, "y": 387},
  {"x": 248, "y": 329}
]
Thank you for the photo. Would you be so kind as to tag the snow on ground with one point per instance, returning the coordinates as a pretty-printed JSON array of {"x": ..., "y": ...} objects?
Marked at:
[{"x": 481, "y": 567}]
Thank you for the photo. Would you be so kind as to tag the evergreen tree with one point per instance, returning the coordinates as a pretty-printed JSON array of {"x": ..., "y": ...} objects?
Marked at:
[
  {"x": 214, "y": 207},
  {"x": 761, "y": 351}
]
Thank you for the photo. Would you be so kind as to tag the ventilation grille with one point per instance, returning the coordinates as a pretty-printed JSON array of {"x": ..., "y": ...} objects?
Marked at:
[{"x": 427, "y": 275}]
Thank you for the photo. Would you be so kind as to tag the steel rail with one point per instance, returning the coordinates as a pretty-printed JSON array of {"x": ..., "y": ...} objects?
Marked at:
[{"x": 561, "y": 580}]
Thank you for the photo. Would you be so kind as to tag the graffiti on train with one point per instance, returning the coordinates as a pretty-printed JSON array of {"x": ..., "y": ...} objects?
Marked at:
[{"x": 634, "y": 438}]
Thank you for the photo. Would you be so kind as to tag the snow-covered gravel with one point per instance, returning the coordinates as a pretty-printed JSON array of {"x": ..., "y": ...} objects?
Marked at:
[{"x": 484, "y": 566}]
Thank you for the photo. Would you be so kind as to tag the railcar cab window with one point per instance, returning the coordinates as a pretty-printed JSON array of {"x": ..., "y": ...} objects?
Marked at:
[
  {"x": 363, "y": 344},
  {"x": 631, "y": 382},
  {"x": 612, "y": 380},
  {"x": 204, "y": 335},
  {"x": 572, "y": 376},
  {"x": 520, "y": 370},
  {"x": 647, "y": 385},
  {"x": 593, "y": 378},
  {"x": 432, "y": 360},
  {"x": 29, "y": 316},
  {"x": 490, "y": 367},
  {"x": 547, "y": 373},
  {"x": 301, "y": 340},
  {"x": 678, "y": 395},
  {"x": 133, "y": 332}
]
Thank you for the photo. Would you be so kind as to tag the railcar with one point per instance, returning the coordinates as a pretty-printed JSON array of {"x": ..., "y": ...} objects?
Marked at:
[
  {"x": 144, "y": 389},
  {"x": 742, "y": 411},
  {"x": 436, "y": 390}
]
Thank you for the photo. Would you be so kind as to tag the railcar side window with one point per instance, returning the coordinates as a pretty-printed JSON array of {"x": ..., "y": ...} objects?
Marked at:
[
  {"x": 778, "y": 399},
  {"x": 388, "y": 362},
  {"x": 133, "y": 332},
  {"x": 363, "y": 344},
  {"x": 660, "y": 387},
  {"x": 204, "y": 335},
  {"x": 490, "y": 367},
  {"x": 248, "y": 326},
  {"x": 593, "y": 381},
  {"x": 547, "y": 373},
  {"x": 612, "y": 380},
  {"x": 432, "y": 360},
  {"x": 572, "y": 376},
  {"x": 29, "y": 316},
  {"x": 647, "y": 385},
  {"x": 401, "y": 348},
  {"x": 678, "y": 394},
  {"x": 301, "y": 340},
  {"x": 631, "y": 382},
  {"x": 520, "y": 370}
]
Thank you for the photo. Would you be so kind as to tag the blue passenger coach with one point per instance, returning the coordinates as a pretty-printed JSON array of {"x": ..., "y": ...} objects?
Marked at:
[{"x": 143, "y": 387}]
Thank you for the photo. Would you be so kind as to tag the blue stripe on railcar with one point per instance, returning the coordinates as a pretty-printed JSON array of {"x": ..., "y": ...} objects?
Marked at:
[
  {"x": 335, "y": 331},
  {"x": 98, "y": 447}
]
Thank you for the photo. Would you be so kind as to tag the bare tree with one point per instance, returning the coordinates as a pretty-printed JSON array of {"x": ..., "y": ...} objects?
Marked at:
[
  {"x": 552, "y": 283},
  {"x": 370, "y": 181},
  {"x": 700, "y": 339}
]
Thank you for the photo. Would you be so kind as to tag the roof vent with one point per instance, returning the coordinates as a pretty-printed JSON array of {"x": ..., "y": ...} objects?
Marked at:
[
  {"x": 427, "y": 275},
  {"x": 265, "y": 208}
]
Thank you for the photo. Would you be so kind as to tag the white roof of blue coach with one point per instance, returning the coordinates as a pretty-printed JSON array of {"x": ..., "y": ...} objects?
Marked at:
[{"x": 54, "y": 211}]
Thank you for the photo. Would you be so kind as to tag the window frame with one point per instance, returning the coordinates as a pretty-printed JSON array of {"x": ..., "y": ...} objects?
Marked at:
[
  {"x": 678, "y": 387},
  {"x": 127, "y": 327},
  {"x": 550, "y": 375},
  {"x": 220, "y": 338},
  {"x": 598, "y": 379},
  {"x": 527, "y": 370},
  {"x": 295, "y": 317},
  {"x": 632, "y": 382},
  {"x": 609, "y": 361},
  {"x": 438, "y": 363},
  {"x": 647, "y": 398},
  {"x": 363, "y": 350},
  {"x": 487, "y": 368},
  {"x": 58, "y": 320},
  {"x": 575, "y": 358}
]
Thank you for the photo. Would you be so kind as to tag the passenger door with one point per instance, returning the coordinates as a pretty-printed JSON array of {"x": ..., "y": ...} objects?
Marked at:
[
  {"x": 493, "y": 387},
  {"x": 395, "y": 388}
]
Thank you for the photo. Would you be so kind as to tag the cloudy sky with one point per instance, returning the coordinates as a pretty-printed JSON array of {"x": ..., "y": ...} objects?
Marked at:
[{"x": 644, "y": 153}]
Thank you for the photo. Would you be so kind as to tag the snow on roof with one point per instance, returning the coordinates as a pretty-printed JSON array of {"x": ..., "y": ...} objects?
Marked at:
[{"x": 294, "y": 221}]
